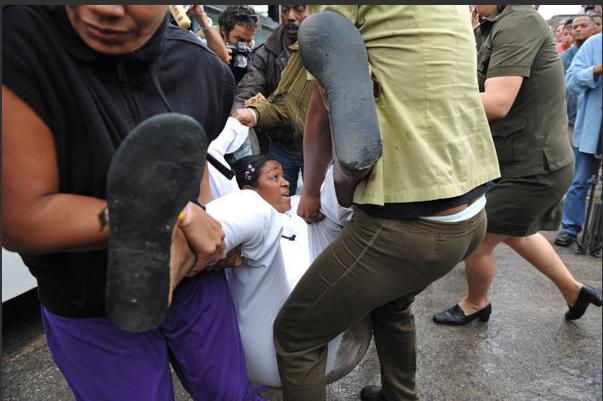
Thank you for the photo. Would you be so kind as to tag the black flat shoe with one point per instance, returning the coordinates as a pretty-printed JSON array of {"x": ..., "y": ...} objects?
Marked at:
[
  {"x": 154, "y": 173},
  {"x": 372, "y": 393},
  {"x": 588, "y": 295},
  {"x": 345, "y": 78},
  {"x": 456, "y": 317},
  {"x": 564, "y": 239}
]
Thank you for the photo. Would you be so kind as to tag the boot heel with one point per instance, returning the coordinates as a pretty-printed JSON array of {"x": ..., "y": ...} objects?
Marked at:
[
  {"x": 484, "y": 314},
  {"x": 587, "y": 295}
]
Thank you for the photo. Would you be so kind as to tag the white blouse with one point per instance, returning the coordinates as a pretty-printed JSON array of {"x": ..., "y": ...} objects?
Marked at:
[{"x": 272, "y": 266}]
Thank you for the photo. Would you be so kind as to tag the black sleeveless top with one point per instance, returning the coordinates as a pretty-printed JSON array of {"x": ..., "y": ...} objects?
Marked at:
[{"x": 90, "y": 101}]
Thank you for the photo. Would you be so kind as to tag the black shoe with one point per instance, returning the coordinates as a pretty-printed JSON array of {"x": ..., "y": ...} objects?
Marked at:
[
  {"x": 565, "y": 239},
  {"x": 588, "y": 295},
  {"x": 352, "y": 111},
  {"x": 152, "y": 177},
  {"x": 456, "y": 317},
  {"x": 372, "y": 393}
]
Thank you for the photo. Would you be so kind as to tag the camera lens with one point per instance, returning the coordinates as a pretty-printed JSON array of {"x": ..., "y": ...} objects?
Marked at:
[{"x": 239, "y": 61}]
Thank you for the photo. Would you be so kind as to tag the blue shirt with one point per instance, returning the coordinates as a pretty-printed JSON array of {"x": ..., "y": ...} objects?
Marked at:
[
  {"x": 580, "y": 78},
  {"x": 571, "y": 98}
]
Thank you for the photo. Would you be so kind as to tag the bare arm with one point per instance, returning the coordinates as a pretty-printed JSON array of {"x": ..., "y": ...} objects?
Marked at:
[
  {"x": 214, "y": 40},
  {"x": 318, "y": 150},
  {"x": 499, "y": 95},
  {"x": 36, "y": 217},
  {"x": 216, "y": 44}
]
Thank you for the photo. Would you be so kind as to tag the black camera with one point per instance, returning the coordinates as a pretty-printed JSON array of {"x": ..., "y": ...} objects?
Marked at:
[{"x": 240, "y": 59}]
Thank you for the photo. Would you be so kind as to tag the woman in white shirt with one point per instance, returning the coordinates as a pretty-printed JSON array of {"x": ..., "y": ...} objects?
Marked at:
[{"x": 275, "y": 246}]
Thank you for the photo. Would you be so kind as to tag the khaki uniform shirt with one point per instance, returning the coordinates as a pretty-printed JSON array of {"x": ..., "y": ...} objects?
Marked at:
[
  {"x": 532, "y": 139},
  {"x": 436, "y": 140}
]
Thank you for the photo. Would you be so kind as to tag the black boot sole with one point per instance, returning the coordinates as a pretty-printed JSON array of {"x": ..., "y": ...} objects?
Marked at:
[
  {"x": 154, "y": 173},
  {"x": 333, "y": 51}
]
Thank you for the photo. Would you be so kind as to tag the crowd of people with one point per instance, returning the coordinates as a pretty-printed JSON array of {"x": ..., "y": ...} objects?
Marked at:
[
  {"x": 583, "y": 96},
  {"x": 249, "y": 285}
]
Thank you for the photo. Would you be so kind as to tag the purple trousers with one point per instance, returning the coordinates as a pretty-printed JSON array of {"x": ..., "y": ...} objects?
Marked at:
[{"x": 200, "y": 337}]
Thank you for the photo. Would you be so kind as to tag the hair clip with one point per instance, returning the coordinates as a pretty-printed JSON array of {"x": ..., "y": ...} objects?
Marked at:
[{"x": 249, "y": 172}]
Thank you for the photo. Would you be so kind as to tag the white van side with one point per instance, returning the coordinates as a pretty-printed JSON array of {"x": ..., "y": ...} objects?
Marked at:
[{"x": 16, "y": 278}]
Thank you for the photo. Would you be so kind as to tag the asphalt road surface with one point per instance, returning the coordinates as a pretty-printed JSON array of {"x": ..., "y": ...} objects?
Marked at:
[{"x": 526, "y": 352}]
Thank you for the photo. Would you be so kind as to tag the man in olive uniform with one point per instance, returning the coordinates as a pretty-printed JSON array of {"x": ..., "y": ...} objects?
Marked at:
[{"x": 287, "y": 106}]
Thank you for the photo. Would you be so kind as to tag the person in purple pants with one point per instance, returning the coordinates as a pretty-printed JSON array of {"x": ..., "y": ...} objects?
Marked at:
[{"x": 72, "y": 89}]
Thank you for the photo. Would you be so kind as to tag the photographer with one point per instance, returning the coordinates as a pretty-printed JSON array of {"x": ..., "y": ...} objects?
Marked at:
[
  {"x": 267, "y": 63},
  {"x": 238, "y": 25},
  {"x": 212, "y": 36}
]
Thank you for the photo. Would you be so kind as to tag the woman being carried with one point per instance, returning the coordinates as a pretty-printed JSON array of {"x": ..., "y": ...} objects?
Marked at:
[{"x": 276, "y": 252}]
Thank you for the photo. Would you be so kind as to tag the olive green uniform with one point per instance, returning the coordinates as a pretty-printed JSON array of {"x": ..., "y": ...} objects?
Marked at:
[
  {"x": 288, "y": 105},
  {"x": 535, "y": 156}
]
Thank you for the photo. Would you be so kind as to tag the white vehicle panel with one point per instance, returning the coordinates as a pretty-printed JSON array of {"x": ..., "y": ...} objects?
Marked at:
[{"x": 16, "y": 278}]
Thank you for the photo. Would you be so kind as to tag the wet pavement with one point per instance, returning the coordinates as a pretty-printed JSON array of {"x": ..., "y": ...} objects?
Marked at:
[{"x": 526, "y": 352}]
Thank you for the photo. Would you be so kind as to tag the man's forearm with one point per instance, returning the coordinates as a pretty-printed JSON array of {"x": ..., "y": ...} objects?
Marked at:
[{"x": 318, "y": 145}]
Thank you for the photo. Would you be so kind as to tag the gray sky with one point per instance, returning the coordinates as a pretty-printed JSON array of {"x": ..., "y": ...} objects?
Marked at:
[{"x": 547, "y": 11}]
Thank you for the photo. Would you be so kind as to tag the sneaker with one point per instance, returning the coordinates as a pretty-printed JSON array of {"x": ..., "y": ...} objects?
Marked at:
[{"x": 565, "y": 239}]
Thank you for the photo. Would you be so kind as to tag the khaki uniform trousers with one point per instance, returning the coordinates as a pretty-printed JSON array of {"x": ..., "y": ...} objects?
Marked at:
[{"x": 375, "y": 267}]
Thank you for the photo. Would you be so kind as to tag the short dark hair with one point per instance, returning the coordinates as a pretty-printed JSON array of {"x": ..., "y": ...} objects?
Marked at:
[
  {"x": 569, "y": 22},
  {"x": 239, "y": 15},
  {"x": 589, "y": 16},
  {"x": 247, "y": 169}
]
